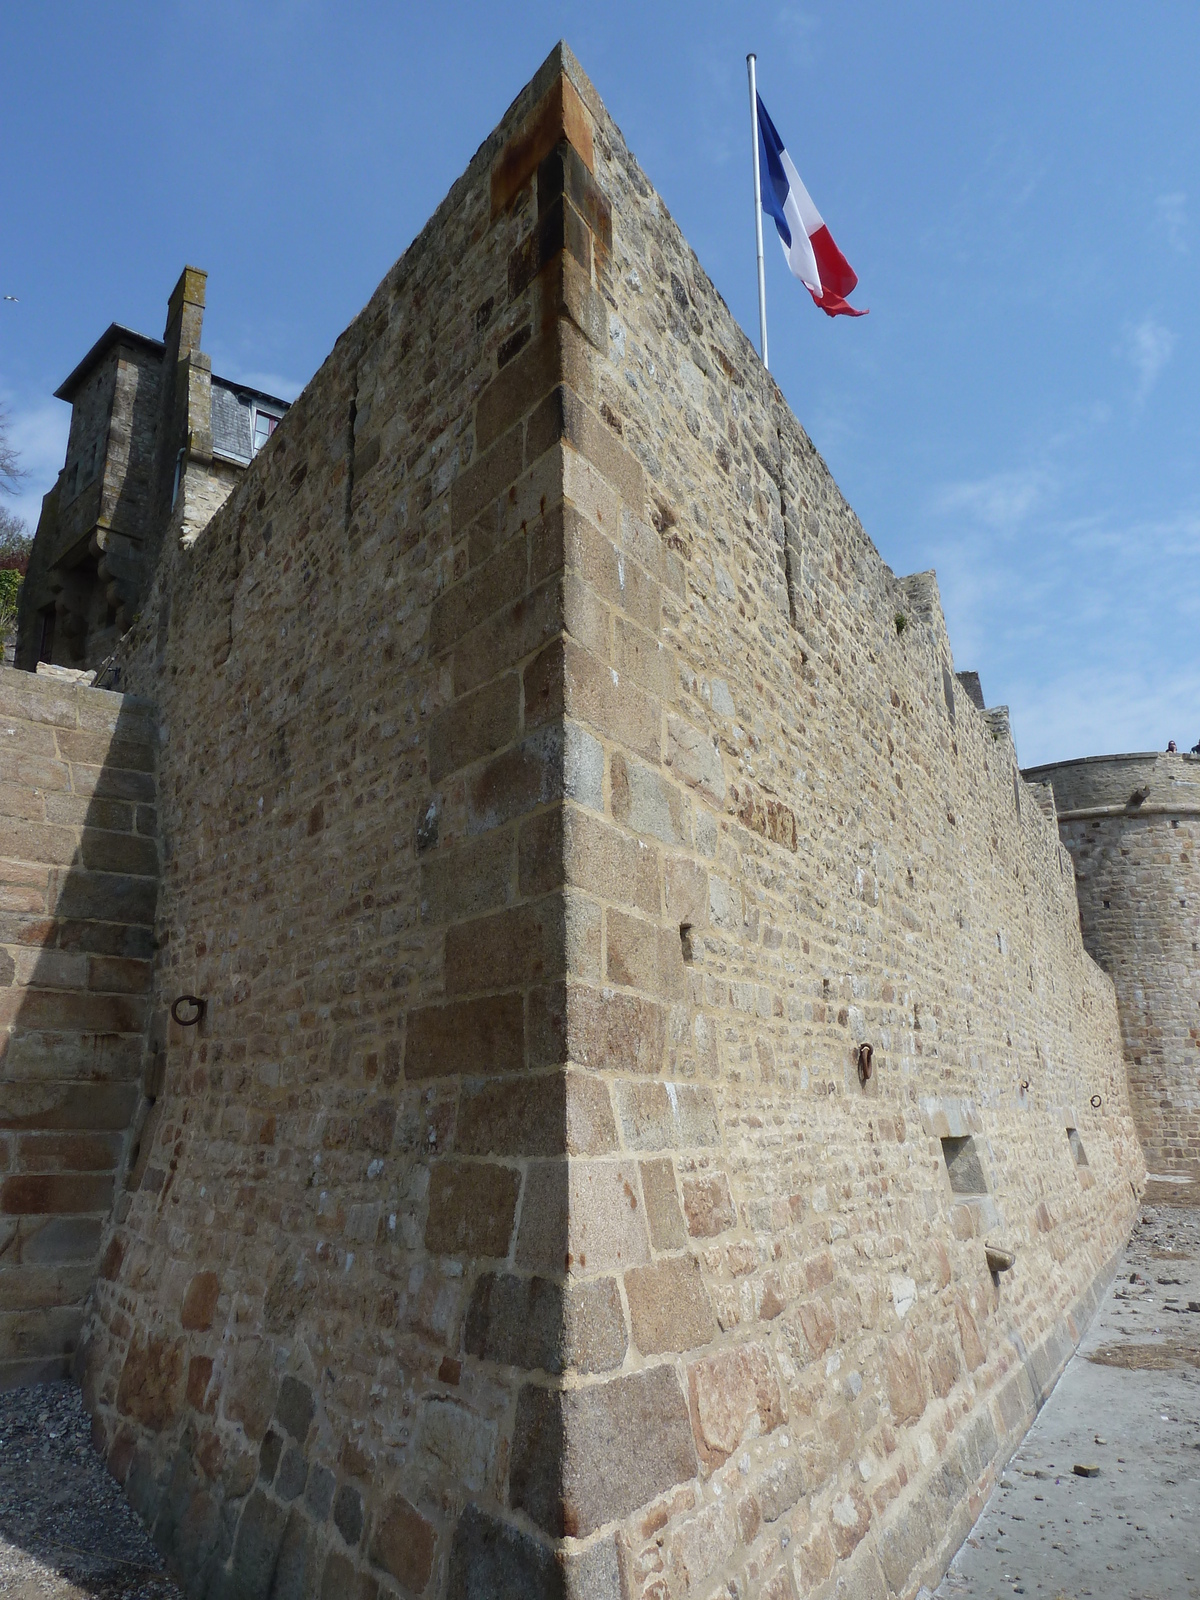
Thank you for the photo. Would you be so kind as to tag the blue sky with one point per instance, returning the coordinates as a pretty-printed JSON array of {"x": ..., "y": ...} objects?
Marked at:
[{"x": 1017, "y": 186}]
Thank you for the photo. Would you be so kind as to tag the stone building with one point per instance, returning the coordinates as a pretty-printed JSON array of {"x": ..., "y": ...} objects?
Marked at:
[
  {"x": 1132, "y": 825},
  {"x": 615, "y": 1103},
  {"x": 156, "y": 444}
]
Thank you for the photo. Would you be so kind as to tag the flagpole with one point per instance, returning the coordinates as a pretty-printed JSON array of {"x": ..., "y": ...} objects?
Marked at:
[{"x": 751, "y": 60}]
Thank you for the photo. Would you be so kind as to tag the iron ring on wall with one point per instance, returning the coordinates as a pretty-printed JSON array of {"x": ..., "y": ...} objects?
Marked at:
[
  {"x": 199, "y": 1007},
  {"x": 1096, "y": 1102}
]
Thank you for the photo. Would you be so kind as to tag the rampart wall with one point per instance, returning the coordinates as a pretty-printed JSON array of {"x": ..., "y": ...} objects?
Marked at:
[
  {"x": 78, "y": 878},
  {"x": 557, "y": 789},
  {"x": 1132, "y": 825}
]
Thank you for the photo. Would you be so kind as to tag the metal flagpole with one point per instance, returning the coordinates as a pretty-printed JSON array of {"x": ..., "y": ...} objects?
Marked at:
[{"x": 762, "y": 281}]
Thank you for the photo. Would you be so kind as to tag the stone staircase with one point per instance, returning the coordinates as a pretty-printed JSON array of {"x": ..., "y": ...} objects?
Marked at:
[{"x": 78, "y": 885}]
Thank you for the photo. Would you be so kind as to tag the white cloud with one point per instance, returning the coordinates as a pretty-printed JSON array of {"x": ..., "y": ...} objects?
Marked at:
[
  {"x": 1148, "y": 346},
  {"x": 1171, "y": 214},
  {"x": 1001, "y": 502},
  {"x": 39, "y": 436}
]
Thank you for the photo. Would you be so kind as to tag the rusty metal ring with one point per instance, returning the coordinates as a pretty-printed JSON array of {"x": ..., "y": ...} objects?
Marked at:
[
  {"x": 1096, "y": 1102},
  {"x": 198, "y": 1005}
]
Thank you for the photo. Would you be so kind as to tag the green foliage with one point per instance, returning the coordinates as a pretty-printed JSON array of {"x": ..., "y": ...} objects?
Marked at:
[
  {"x": 10, "y": 594},
  {"x": 901, "y": 622}
]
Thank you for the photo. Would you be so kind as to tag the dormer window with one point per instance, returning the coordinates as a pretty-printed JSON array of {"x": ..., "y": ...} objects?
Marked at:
[{"x": 264, "y": 426}]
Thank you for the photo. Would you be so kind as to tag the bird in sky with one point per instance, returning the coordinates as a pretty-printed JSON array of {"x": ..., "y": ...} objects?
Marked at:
[{"x": 10, "y": 297}]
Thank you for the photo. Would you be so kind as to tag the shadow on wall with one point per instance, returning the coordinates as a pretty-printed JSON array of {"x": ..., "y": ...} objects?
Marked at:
[{"x": 78, "y": 888}]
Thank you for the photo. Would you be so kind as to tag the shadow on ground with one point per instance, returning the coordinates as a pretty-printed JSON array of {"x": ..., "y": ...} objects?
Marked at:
[{"x": 66, "y": 1530}]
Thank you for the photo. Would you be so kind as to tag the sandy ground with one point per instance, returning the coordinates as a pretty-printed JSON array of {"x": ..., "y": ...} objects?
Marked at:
[{"x": 1129, "y": 1404}]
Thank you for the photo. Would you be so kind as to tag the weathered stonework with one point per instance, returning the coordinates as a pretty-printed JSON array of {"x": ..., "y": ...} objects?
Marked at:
[
  {"x": 557, "y": 790},
  {"x": 156, "y": 444},
  {"x": 1132, "y": 825},
  {"x": 78, "y": 880}
]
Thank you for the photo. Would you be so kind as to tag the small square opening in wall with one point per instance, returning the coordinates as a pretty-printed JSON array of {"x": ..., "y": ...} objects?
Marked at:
[
  {"x": 964, "y": 1166},
  {"x": 1077, "y": 1149}
]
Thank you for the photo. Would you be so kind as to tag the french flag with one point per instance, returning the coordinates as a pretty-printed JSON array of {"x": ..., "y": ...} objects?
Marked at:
[{"x": 807, "y": 242}]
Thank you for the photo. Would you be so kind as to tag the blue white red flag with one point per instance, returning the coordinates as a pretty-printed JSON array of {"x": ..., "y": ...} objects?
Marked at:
[{"x": 807, "y": 243}]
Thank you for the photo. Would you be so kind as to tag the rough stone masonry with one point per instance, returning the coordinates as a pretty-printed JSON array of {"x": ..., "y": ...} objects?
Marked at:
[{"x": 556, "y": 791}]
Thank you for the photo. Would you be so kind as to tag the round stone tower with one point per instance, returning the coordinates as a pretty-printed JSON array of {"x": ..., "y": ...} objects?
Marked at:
[{"x": 1132, "y": 825}]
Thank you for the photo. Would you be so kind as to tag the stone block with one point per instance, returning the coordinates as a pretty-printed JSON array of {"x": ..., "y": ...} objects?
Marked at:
[
  {"x": 298, "y": 1563},
  {"x": 646, "y": 802},
  {"x": 611, "y": 573},
  {"x": 686, "y": 892},
  {"x": 102, "y": 750},
  {"x": 61, "y": 1239},
  {"x": 666, "y": 1116},
  {"x": 663, "y": 1215},
  {"x": 603, "y": 861},
  {"x": 642, "y": 955},
  {"x": 256, "y": 1546},
  {"x": 495, "y": 582},
  {"x": 905, "y": 1382},
  {"x": 471, "y": 1208},
  {"x": 492, "y": 1558},
  {"x": 199, "y": 1386},
  {"x": 669, "y": 1308},
  {"x": 585, "y": 1216},
  {"x": 468, "y": 879},
  {"x": 540, "y": 854},
  {"x": 708, "y": 1205},
  {"x": 734, "y": 1395},
  {"x": 488, "y": 476},
  {"x": 295, "y": 1407},
  {"x": 613, "y": 1032},
  {"x": 67, "y": 1152},
  {"x": 150, "y": 1387},
  {"x": 105, "y": 897},
  {"x": 200, "y": 1302},
  {"x": 403, "y": 1543},
  {"x": 47, "y": 1194},
  {"x": 519, "y": 946},
  {"x": 534, "y": 1323},
  {"x": 292, "y": 1474},
  {"x": 508, "y": 636},
  {"x": 466, "y": 1037},
  {"x": 118, "y": 975},
  {"x": 585, "y": 1457},
  {"x": 594, "y": 693},
  {"x": 476, "y": 725},
  {"x": 348, "y": 1513},
  {"x": 780, "y": 1487},
  {"x": 118, "y": 852},
  {"x": 695, "y": 759},
  {"x": 318, "y": 1492},
  {"x": 516, "y": 1116},
  {"x": 516, "y": 782},
  {"x": 453, "y": 1439},
  {"x": 112, "y": 783},
  {"x": 68, "y": 1011}
]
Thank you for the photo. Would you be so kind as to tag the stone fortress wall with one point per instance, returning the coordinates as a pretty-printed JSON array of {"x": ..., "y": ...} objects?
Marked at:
[
  {"x": 556, "y": 790},
  {"x": 1132, "y": 825}
]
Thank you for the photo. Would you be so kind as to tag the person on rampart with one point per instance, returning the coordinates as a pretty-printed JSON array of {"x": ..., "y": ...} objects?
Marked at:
[{"x": 1172, "y": 747}]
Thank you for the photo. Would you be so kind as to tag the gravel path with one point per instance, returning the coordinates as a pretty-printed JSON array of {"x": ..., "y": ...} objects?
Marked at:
[
  {"x": 1129, "y": 1405},
  {"x": 65, "y": 1529}
]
